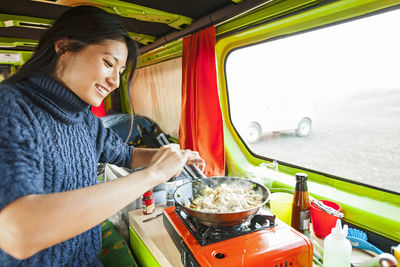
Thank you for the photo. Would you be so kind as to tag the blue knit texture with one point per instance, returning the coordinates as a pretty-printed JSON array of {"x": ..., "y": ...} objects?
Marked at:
[{"x": 51, "y": 142}]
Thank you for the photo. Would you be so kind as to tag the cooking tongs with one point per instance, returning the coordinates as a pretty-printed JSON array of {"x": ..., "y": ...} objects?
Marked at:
[{"x": 190, "y": 171}]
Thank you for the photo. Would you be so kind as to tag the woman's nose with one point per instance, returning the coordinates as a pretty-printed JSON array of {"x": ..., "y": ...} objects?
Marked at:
[{"x": 113, "y": 80}]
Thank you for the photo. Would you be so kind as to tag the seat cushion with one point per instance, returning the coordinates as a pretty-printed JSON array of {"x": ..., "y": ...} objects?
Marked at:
[{"x": 114, "y": 251}]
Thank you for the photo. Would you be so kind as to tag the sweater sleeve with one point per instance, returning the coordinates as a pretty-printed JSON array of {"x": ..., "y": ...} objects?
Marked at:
[
  {"x": 114, "y": 150},
  {"x": 21, "y": 159}
]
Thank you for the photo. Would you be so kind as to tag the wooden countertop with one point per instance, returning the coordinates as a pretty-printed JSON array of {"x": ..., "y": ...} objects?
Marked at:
[
  {"x": 155, "y": 237},
  {"x": 158, "y": 241}
]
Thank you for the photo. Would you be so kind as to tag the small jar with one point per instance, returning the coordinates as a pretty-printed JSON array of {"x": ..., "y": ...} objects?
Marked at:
[{"x": 148, "y": 202}]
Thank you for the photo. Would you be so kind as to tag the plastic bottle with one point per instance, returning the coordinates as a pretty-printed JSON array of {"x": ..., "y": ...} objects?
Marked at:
[
  {"x": 148, "y": 202},
  {"x": 301, "y": 205},
  {"x": 337, "y": 248}
]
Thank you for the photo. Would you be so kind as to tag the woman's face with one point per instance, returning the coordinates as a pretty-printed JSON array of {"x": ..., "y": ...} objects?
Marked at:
[{"x": 93, "y": 72}]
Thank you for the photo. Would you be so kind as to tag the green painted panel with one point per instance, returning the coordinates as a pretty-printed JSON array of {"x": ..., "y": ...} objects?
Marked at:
[
  {"x": 14, "y": 57},
  {"x": 142, "y": 253},
  {"x": 24, "y": 21},
  {"x": 142, "y": 38},
  {"x": 13, "y": 42},
  {"x": 267, "y": 12},
  {"x": 169, "y": 51},
  {"x": 126, "y": 9},
  {"x": 38, "y": 23}
]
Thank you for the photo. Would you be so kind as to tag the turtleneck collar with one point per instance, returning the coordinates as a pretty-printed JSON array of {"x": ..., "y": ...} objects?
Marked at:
[{"x": 57, "y": 93}]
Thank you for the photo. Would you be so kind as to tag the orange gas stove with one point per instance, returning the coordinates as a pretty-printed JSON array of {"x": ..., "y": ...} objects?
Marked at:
[{"x": 262, "y": 241}]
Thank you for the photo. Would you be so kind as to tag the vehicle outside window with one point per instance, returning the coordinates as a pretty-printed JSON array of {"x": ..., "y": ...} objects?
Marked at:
[
  {"x": 327, "y": 100},
  {"x": 275, "y": 115}
]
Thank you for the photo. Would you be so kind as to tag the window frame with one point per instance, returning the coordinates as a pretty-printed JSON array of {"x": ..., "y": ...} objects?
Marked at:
[{"x": 374, "y": 209}]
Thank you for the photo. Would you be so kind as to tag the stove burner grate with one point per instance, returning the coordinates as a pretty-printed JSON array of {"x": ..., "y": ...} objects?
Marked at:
[{"x": 207, "y": 235}]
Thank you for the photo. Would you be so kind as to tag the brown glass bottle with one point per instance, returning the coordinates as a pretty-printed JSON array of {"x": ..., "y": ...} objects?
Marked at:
[{"x": 301, "y": 205}]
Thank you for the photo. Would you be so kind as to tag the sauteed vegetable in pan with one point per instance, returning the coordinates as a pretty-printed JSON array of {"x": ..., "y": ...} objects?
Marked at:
[
  {"x": 189, "y": 197},
  {"x": 227, "y": 198}
]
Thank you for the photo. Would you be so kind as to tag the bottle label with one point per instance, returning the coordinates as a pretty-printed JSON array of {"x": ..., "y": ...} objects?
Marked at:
[
  {"x": 148, "y": 209},
  {"x": 304, "y": 220}
]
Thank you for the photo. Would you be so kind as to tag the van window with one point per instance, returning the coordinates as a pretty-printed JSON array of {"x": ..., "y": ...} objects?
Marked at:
[{"x": 327, "y": 100}]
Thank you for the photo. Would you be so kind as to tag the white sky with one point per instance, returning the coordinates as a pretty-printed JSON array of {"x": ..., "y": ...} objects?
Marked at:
[{"x": 358, "y": 55}]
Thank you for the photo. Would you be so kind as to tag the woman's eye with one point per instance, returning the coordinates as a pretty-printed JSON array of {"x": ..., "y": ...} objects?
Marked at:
[{"x": 108, "y": 63}]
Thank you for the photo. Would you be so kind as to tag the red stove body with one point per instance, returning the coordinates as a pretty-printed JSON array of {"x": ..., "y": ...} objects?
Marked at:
[{"x": 276, "y": 246}]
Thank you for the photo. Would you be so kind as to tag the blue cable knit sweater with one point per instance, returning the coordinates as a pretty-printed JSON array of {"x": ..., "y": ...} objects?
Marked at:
[{"x": 51, "y": 142}]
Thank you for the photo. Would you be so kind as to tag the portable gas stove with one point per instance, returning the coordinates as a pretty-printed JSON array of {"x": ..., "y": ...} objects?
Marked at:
[{"x": 262, "y": 241}]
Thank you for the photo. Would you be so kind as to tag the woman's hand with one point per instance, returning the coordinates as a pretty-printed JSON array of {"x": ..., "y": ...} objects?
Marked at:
[
  {"x": 170, "y": 159},
  {"x": 195, "y": 158}
]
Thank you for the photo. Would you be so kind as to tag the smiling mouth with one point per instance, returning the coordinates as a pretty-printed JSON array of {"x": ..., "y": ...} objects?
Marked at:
[{"x": 104, "y": 91}]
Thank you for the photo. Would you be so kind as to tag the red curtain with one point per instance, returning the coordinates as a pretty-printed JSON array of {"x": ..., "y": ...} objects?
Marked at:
[
  {"x": 99, "y": 111},
  {"x": 201, "y": 127}
]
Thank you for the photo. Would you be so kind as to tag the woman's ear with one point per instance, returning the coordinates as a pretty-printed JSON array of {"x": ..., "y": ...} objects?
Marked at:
[{"x": 60, "y": 46}]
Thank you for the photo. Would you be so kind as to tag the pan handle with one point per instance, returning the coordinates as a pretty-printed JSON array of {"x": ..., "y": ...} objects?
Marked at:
[{"x": 191, "y": 171}]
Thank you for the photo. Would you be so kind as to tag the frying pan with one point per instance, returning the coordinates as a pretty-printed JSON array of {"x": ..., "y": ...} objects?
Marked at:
[
  {"x": 191, "y": 190},
  {"x": 188, "y": 191}
]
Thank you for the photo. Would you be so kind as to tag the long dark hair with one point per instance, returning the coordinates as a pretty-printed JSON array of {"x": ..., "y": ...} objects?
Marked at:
[{"x": 83, "y": 26}]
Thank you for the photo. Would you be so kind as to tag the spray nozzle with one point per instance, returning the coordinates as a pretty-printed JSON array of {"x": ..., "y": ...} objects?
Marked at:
[{"x": 338, "y": 232}]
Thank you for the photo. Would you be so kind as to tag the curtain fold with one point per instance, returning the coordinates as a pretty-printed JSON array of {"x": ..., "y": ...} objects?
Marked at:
[
  {"x": 201, "y": 125},
  {"x": 156, "y": 94}
]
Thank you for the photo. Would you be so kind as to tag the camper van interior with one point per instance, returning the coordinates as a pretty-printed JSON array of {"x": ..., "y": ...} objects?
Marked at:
[{"x": 264, "y": 90}]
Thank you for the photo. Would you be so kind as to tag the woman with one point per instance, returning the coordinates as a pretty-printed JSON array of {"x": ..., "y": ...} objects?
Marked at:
[{"x": 50, "y": 144}]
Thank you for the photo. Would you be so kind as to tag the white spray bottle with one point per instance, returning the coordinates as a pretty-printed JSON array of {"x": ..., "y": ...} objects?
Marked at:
[{"x": 337, "y": 248}]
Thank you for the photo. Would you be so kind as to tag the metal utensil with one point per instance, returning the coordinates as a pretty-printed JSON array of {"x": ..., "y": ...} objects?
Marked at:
[
  {"x": 154, "y": 217},
  {"x": 327, "y": 209},
  {"x": 190, "y": 171},
  {"x": 382, "y": 260}
]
